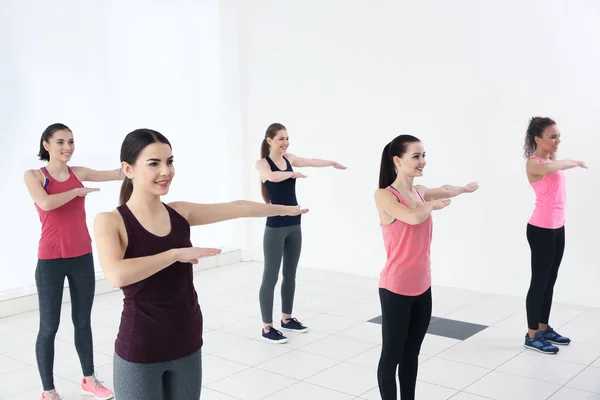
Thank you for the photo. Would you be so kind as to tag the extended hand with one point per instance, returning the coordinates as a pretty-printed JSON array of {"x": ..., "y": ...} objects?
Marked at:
[
  {"x": 338, "y": 166},
  {"x": 294, "y": 210},
  {"x": 581, "y": 164},
  {"x": 297, "y": 175},
  {"x": 471, "y": 187},
  {"x": 82, "y": 192},
  {"x": 440, "y": 203},
  {"x": 192, "y": 254}
]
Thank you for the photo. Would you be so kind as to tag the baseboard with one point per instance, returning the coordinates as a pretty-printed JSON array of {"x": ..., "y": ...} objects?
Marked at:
[{"x": 19, "y": 301}]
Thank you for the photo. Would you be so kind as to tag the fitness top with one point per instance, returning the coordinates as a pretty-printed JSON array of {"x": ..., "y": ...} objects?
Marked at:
[
  {"x": 64, "y": 229},
  {"x": 161, "y": 319},
  {"x": 408, "y": 267},
  {"x": 283, "y": 193},
  {"x": 550, "y": 201}
]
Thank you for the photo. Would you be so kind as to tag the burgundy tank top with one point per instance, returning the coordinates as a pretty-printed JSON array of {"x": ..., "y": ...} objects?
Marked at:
[{"x": 161, "y": 319}]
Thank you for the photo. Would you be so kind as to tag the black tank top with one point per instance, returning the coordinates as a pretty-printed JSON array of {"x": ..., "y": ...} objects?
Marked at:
[
  {"x": 161, "y": 319},
  {"x": 284, "y": 193}
]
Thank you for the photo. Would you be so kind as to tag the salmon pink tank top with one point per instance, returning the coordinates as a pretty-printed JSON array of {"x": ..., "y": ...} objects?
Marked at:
[
  {"x": 64, "y": 229},
  {"x": 408, "y": 268},
  {"x": 550, "y": 193}
]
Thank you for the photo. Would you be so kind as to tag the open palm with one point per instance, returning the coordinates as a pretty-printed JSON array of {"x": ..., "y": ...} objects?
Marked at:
[{"x": 471, "y": 187}]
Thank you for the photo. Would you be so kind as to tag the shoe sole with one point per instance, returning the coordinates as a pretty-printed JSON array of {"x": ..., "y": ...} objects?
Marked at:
[
  {"x": 559, "y": 344},
  {"x": 86, "y": 393},
  {"x": 280, "y": 341},
  {"x": 540, "y": 351},
  {"x": 295, "y": 330}
]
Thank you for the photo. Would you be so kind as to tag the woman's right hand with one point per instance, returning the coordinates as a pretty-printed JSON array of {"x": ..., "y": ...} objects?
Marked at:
[
  {"x": 440, "y": 203},
  {"x": 192, "y": 254},
  {"x": 297, "y": 175},
  {"x": 82, "y": 192}
]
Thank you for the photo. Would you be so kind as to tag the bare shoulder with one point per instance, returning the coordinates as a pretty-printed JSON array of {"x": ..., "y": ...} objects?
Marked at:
[
  {"x": 383, "y": 195},
  {"x": 109, "y": 221},
  {"x": 260, "y": 163},
  {"x": 421, "y": 189},
  {"x": 181, "y": 207},
  {"x": 34, "y": 175}
]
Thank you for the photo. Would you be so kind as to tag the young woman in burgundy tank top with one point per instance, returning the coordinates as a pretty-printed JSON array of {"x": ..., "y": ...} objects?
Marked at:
[
  {"x": 64, "y": 251},
  {"x": 545, "y": 230},
  {"x": 144, "y": 248},
  {"x": 405, "y": 282}
]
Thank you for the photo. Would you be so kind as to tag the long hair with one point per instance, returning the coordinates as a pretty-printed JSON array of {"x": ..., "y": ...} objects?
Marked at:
[
  {"x": 536, "y": 128},
  {"x": 46, "y": 136},
  {"x": 397, "y": 147},
  {"x": 264, "y": 152},
  {"x": 133, "y": 144}
]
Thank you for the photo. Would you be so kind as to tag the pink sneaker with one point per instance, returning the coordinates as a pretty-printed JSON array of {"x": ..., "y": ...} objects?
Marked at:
[
  {"x": 95, "y": 388},
  {"x": 51, "y": 396}
]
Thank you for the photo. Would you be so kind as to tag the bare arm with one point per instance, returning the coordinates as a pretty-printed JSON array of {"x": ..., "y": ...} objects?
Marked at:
[
  {"x": 203, "y": 214},
  {"x": 274, "y": 176},
  {"x": 536, "y": 168},
  {"x": 45, "y": 201},
  {"x": 120, "y": 272},
  {"x": 446, "y": 191},
  {"x": 92, "y": 175},
  {"x": 312, "y": 162},
  {"x": 388, "y": 203}
]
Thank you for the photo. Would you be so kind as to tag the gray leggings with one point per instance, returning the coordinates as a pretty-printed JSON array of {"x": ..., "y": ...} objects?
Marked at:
[
  {"x": 279, "y": 243},
  {"x": 179, "y": 379}
]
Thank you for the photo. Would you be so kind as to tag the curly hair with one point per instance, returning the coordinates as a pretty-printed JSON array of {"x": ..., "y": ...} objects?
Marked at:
[{"x": 536, "y": 127}]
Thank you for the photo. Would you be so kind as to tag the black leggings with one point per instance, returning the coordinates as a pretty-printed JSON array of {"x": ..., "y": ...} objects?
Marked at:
[
  {"x": 405, "y": 320},
  {"x": 50, "y": 279},
  {"x": 547, "y": 248}
]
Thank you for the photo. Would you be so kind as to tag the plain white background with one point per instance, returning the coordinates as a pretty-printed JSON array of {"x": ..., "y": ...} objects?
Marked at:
[
  {"x": 104, "y": 69},
  {"x": 345, "y": 78},
  {"x": 465, "y": 77}
]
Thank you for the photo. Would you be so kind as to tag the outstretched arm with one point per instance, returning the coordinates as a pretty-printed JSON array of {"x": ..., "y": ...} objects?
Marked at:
[
  {"x": 312, "y": 162},
  {"x": 537, "y": 168},
  {"x": 203, "y": 214},
  {"x": 121, "y": 272},
  {"x": 92, "y": 175},
  {"x": 262, "y": 166},
  {"x": 446, "y": 191}
]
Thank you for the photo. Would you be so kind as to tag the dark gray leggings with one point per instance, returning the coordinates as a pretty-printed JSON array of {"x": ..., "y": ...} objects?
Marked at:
[
  {"x": 279, "y": 244},
  {"x": 179, "y": 379},
  {"x": 50, "y": 279}
]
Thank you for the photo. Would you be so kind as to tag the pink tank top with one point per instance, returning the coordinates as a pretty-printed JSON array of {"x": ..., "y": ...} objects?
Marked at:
[
  {"x": 550, "y": 200},
  {"x": 408, "y": 267},
  {"x": 64, "y": 229}
]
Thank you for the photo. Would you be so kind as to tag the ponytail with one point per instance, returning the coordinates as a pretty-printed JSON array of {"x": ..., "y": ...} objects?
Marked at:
[
  {"x": 387, "y": 171},
  {"x": 397, "y": 147},
  {"x": 264, "y": 152},
  {"x": 126, "y": 190}
]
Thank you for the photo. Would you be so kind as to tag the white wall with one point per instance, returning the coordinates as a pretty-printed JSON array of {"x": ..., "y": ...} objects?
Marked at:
[
  {"x": 105, "y": 68},
  {"x": 346, "y": 77}
]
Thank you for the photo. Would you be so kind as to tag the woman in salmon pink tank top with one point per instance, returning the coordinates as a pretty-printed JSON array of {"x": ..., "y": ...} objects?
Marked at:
[
  {"x": 545, "y": 230},
  {"x": 145, "y": 249},
  {"x": 405, "y": 281},
  {"x": 64, "y": 251}
]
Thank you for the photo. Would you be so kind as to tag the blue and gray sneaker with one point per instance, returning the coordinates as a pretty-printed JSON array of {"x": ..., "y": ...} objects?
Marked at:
[
  {"x": 293, "y": 325},
  {"x": 553, "y": 337},
  {"x": 538, "y": 343},
  {"x": 274, "y": 336}
]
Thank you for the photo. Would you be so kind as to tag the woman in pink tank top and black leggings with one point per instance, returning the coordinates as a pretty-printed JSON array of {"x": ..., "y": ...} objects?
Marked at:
[
  {"x": 65, "y": 250},
  {"x": 405, "y": 282},
  {"x": 145, "y": 249},
  {"x": 545, "y": 230}
]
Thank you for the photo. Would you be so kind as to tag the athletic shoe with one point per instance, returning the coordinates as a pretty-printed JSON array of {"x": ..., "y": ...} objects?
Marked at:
[
  {"x": 274, "y": 336},
  {"x": 293, "y": 325},
  {"x": 553, "y": 337},
  {"x": 51, "y": 396},
  {"x": 95, "y": 388},
  {"x": 538, "y": 343}
]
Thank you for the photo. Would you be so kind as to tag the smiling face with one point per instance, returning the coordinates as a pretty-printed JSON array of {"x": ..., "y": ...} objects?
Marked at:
[
  {"x": 153, "y": 170},
  {"x": 60, "y": 145},
  {"x": 412, "y": 161},
  {"x": 549, "y": 141},
  {"x": 279, "y": 144}
]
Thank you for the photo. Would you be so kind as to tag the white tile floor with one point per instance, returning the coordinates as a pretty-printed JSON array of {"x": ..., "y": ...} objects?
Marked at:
[{"x": 337, "y": 359}]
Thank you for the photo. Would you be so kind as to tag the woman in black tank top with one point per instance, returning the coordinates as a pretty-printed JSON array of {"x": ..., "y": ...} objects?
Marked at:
[
  {"x": 145, "y": 249},
  {"x": 283, "y": 236}
]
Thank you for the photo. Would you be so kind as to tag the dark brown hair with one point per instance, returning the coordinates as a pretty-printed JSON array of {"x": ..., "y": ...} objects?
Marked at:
[
  {"x": 264, "y": 152},
  {"x": 46, "y": 136},
  {"x": 536, "y": 127},
  {"x": 397, "y": 147},
  {"x": 135, "y": 142}
]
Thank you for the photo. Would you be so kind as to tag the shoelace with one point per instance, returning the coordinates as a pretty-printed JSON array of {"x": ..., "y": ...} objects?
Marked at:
[{"x": 97, "y": 383}]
